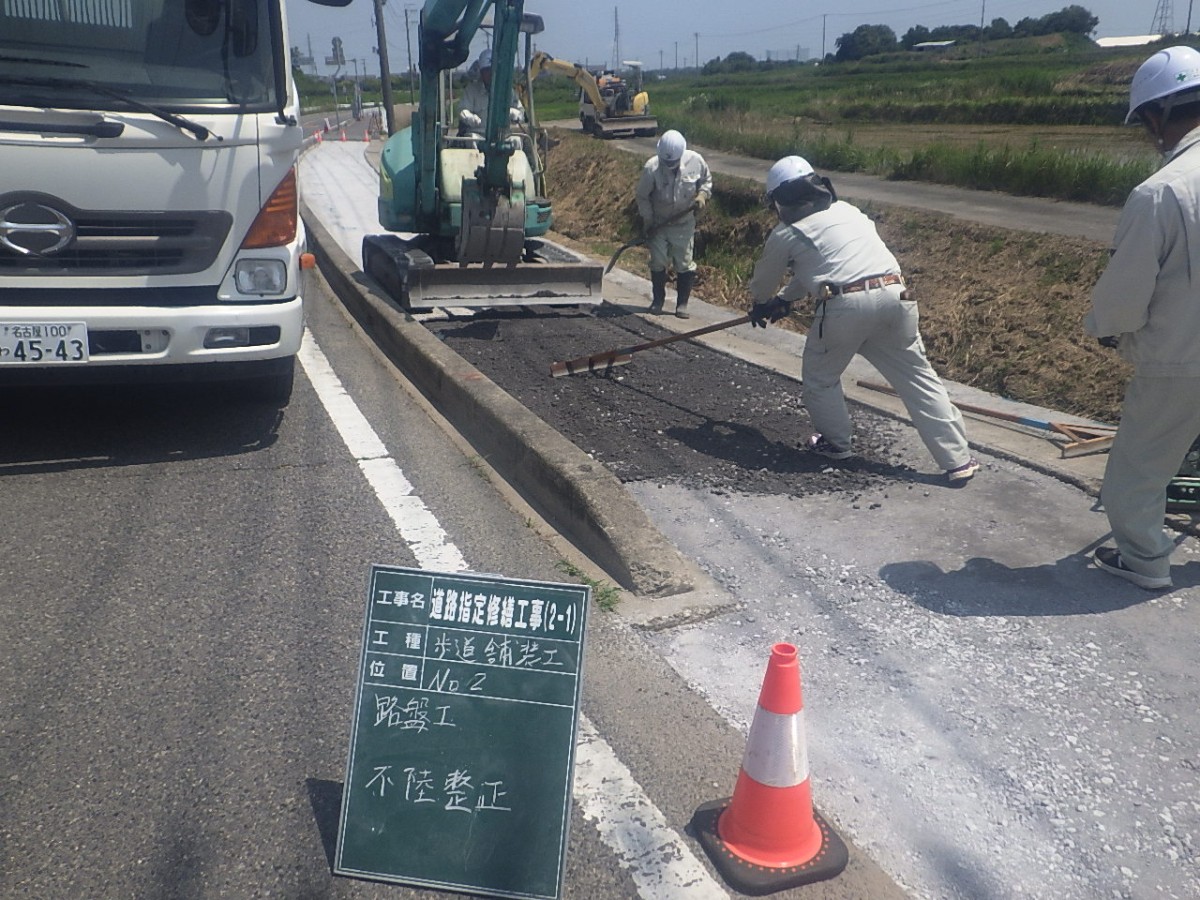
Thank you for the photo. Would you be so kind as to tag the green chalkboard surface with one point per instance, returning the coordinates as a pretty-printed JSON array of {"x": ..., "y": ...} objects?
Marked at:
[{"x": 460, "y": 764}]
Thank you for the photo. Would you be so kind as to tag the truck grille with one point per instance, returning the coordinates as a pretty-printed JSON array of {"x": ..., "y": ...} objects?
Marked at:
[{"x": 105, "y": 243}]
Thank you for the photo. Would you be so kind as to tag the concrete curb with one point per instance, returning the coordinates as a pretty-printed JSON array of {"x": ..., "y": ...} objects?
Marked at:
[{"x": 580, "y": 498}]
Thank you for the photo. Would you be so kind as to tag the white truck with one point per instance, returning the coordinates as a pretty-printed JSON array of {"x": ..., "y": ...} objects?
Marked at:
[{"x": 149, "y": 225}]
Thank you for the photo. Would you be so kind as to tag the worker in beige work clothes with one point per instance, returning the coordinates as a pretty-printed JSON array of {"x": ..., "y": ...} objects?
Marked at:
[
  {"x": 674, "y": 183},
  {"x": 475, "y": 101},
  {"x": 835, "y": 255},
  {"x": 1147, "y": 303}
]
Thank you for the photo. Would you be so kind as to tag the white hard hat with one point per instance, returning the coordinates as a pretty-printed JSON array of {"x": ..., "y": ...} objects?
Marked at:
[
  {"x": 1167, "y": 72},
  {"x": 485, "y": 58},
  {"x": 671, "y": 146},
  {"x": 787, "y": 169}
]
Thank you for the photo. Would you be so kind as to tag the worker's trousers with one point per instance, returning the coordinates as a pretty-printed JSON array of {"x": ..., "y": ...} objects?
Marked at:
[
  {"x": 673, "y": 244},
  {"x": 1160, "y": 419},
  {"x": 883, "y": 327}
]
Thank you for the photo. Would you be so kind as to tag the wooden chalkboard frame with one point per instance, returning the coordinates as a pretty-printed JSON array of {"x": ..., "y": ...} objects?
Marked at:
[{"x": 462, "y": 747}]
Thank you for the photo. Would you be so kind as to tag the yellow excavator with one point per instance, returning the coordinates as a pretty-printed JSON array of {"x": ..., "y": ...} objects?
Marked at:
[{"x": 609, "y": 105}]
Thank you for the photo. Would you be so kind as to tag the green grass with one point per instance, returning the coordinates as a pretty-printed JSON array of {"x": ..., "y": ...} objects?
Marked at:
[{"x": 604, "y": 594}]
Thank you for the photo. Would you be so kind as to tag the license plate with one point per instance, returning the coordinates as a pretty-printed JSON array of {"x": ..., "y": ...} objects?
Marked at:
[{"x": 43, "y": 343}]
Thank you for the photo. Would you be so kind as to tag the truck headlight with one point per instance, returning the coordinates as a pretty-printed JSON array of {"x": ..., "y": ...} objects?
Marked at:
[{"x": 260, "y": 276}]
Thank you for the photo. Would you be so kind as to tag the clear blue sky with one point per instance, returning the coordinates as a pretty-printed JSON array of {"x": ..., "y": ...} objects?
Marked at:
[{"x": 670, "y": 31}]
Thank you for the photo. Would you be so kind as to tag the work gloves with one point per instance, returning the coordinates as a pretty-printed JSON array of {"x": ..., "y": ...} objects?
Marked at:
[
  {"x": 515, "y": 115},
  {"x": 1111, "y": 341},
  {"x": 701, "y": 201},
  {"x": 468, "y": 119},
  {"x": 769, "y": 311}
]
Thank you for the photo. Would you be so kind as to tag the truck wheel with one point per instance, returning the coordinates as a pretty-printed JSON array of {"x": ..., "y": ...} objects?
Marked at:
[{"x": 274, "y": 389}]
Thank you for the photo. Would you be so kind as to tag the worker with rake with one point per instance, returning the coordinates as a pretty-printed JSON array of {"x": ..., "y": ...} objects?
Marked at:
[
  {"x": 835, "y": 255},
  {"x": 674, "y": 183},
  {"x": 1147, "y": 305}
]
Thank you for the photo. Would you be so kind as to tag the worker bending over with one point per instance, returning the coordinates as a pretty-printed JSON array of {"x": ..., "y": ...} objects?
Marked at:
[
  {"x": 835, "y": 255},
  {"x": 674, "y": 183},
  {"x": 1147, "y": 304}
]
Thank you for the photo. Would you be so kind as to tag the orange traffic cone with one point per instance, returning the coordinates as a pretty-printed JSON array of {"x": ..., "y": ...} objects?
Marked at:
[
  {"x": 366, "y": 136},
  {"x": 318, "y": 136},
  {"x": 768, "y": 837},
  {"x": 343, "y": 134}
]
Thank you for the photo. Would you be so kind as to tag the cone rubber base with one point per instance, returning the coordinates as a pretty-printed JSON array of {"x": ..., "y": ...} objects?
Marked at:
[{"x": 755, "y": 880}]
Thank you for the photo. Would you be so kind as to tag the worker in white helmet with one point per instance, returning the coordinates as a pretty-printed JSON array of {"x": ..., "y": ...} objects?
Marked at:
[
  {"x": 1147, "y": 305},
  {"x": 834, "y": 255},
  {"x": 476, "y": 98},
  {"x": 675, "y": 182}
]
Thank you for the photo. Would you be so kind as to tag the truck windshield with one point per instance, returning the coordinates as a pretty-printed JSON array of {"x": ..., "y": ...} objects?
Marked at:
[{"x": 182, "y": 55}]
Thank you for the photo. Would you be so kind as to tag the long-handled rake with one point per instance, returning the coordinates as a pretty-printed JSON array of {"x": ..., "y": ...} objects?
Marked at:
[{"x": 602, "y": 362}]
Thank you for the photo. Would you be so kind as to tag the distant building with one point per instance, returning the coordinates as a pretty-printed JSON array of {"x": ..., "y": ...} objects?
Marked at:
[
  {"x": 1133, "y": 40},
  {"x": 926, "y": 46}
]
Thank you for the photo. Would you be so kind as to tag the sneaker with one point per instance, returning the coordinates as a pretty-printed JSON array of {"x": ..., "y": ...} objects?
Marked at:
[
  {"x": 817, "y": 444},
  {"x": 1109, "y": 559},
  {"x": 963, "y": 472}
]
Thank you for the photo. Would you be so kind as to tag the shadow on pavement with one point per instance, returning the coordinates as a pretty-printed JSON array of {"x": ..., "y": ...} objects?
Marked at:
[
  {"x": 325, "y": 798},
  {"x": 1072, "y": 586},
  {"x": 62, "y": 429}
]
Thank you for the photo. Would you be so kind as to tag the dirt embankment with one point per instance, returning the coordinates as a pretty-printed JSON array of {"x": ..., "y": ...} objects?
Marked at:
[{"x": 1001, "y": 310}]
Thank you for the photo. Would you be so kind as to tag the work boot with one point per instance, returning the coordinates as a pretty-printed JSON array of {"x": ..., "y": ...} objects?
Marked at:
[
  {"x": 683, "y": 292},
  {"x": 658, "y": 291}
]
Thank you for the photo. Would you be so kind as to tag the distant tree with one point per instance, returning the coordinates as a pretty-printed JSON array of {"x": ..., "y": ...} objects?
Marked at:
[
  {"x": 1026, "y": 27},
  {"x": 998, "y": 30},
  {"x": 738, "y": 61},
  {"x": 865, "y": 40},
  {"x": 918, "y": 34},
  {"x": 1073, "y": 19}
]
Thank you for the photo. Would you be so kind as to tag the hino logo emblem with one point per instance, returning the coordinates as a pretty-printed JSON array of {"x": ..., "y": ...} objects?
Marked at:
[{"x": 34, "y": 229}]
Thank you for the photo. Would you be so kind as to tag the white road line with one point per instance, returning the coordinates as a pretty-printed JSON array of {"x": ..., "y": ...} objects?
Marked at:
[
  {"x": 416, "y": 524},
  {"x": 661, "y": 865}
]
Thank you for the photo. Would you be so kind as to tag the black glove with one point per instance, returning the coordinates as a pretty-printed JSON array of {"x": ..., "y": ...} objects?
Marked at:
[
  {"x": 1111, "y": 341},
  {"x": 769, "y": 311}
]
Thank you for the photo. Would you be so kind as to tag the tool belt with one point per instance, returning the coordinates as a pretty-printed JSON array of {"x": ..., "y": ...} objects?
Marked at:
[{"x": 866, "y": 284}]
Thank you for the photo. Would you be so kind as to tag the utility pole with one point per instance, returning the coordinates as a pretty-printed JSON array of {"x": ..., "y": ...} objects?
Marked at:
[
  {"x": 696, "y": 34},
  {"x": 1188, "y": 29},
  {"x": 677, "y": 54},
  {"x": 412, "y": 77},
  {"x": 616, "y": 60},
  {"x": 385, "y": 72},
  {"x": 823, "y": 17}
]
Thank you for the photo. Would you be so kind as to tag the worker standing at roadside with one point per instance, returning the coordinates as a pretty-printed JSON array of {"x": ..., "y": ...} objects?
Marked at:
[
  {"x": 834, "y": 254},
  {"x": 1147, "y": 304},
  {"x": 674, "y": 183},
  {"x": 476, "y": 98}
]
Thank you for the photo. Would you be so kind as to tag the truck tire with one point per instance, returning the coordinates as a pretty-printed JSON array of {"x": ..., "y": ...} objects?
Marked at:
[{"x": 275, "y": 388}]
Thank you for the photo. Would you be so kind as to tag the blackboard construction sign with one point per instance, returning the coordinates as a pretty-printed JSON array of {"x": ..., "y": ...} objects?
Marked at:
[{"x": 460, "y": 766}]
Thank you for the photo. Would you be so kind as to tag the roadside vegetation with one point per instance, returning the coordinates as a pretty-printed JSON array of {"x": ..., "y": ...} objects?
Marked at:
[{"x": 1039, "y": 116}]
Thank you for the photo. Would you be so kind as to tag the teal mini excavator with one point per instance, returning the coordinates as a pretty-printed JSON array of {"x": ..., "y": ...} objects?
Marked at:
[{"x": 467, "y": 217}]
